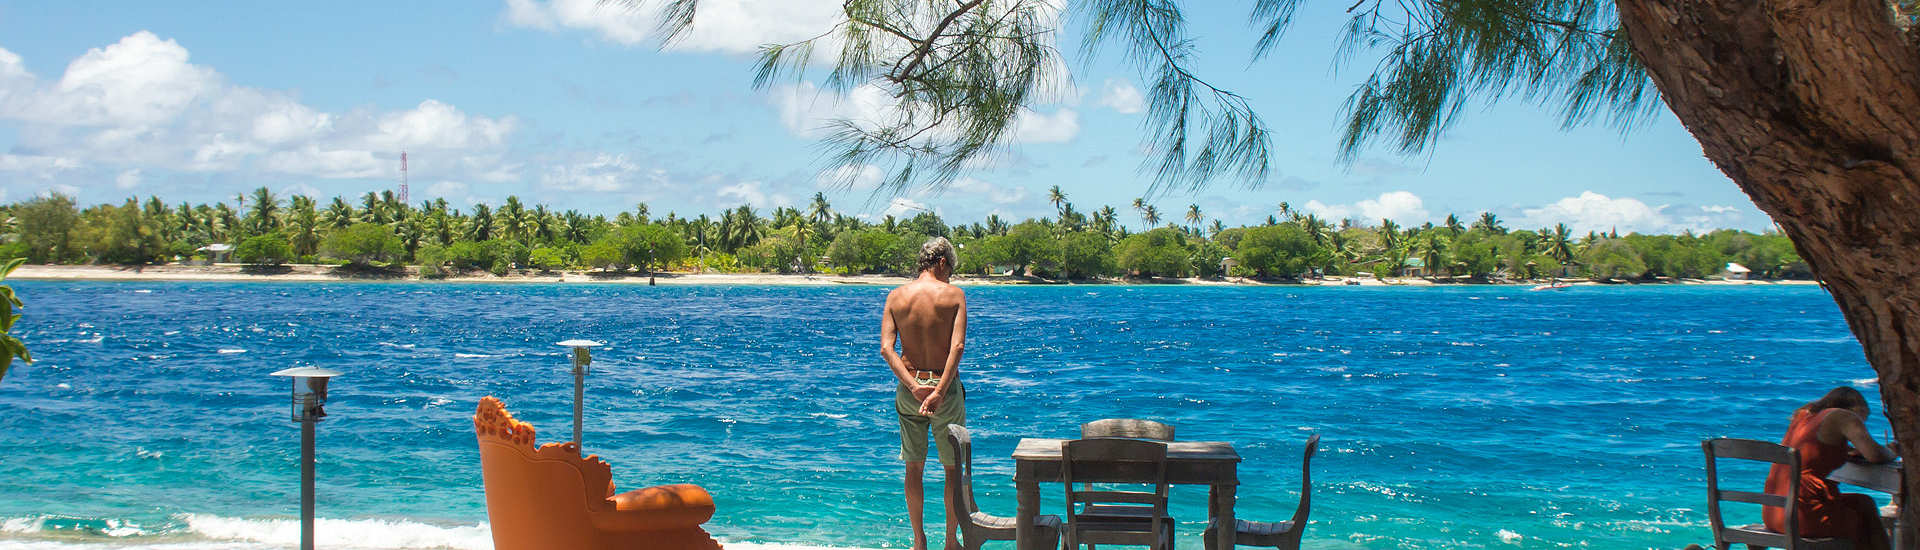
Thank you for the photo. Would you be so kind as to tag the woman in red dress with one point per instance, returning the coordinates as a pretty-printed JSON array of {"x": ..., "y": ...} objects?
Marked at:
[{"x": 1821, "y": 431}]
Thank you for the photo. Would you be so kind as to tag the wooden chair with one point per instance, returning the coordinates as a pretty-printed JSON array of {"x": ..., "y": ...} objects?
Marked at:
[
  {"x": 1143, "y": 461},
  {"x": 980, "y": 527},
  {"x": 1132, "y": 428},
  {"x": 1757, "y": 535},
  {"x": 1284, "y": 535},
  {"x": 550, "y": 497}
]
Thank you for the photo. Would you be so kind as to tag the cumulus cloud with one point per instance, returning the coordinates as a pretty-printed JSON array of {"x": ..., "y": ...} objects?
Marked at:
[
  {"x": 808, "y": 111},
  {"x": 1402, "y": 207},
  {"x": 128, "y": 179},
  {"x": 1122, "y": 97},
  {"x": 1590, "y": 211},
  {"x": 752, "y": 193},
  {"x": 902, "y": 207},
  {"x": 990, "y": 192},
  {"x": 141, "y": 102},
  {"x": 602, "y": 172},
  {"x": 728, "y": 26}
]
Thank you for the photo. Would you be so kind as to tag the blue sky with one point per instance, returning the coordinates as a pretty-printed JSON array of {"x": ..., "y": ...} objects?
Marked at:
[{"x": 567, "y": 103}]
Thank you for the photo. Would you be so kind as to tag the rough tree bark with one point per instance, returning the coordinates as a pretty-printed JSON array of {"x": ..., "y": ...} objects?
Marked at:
[{"x": 1813, "y": 108}]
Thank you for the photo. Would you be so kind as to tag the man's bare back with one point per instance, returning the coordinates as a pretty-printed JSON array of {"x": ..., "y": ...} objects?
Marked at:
[
  {"x": 927, "y": 319},
  {"x": 924, "y": 312}
]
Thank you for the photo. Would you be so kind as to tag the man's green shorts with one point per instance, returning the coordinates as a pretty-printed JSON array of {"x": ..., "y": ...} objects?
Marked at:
[{"x": 914, "y": 428}]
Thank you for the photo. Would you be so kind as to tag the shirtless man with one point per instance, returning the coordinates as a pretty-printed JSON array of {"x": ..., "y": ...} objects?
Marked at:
[{"x": 929, "y": 319}]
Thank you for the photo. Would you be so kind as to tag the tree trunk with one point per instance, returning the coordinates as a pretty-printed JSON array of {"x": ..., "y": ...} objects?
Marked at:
[{"x": 1813, "y": 108}]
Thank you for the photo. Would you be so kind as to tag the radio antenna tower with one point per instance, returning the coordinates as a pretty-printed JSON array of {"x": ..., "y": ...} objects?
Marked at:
[{"x": 403, "y": 177}]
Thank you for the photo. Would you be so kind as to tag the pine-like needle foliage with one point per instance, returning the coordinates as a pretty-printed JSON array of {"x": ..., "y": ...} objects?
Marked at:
[
  {"x": 961, "y": 72},
  {"x": 1436, "y": 55}
]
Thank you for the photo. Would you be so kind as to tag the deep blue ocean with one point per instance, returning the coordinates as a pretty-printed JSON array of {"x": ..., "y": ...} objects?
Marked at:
[{"x": 1475, "y": 417}]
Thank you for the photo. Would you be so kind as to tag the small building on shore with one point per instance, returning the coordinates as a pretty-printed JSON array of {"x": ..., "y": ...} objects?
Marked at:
[
  {"x": 1736, "y": 272},
  {"x": 218, "y": 253}
]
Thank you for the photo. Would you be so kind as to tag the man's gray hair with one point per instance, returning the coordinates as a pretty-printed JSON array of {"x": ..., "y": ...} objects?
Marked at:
[{"x": 936, "y": 249}]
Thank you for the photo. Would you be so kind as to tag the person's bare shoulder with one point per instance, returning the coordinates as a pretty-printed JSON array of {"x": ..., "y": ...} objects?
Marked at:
[{"x": 952, "y": 294}]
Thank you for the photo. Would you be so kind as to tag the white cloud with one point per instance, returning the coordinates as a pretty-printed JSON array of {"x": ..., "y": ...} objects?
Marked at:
[
  {"x": 992, "y": 193},
  {"x": 128, "y": 179},
  {"x": 1402, "y": 207},
  {"x": 141, "y": 103},
  {"x": 729, "y": 26},
  {"x": 1122, "y": 97},
  {"x": 864, "y": 177},
  {"x": 1036, "y": 127},
  {"x": 1592, "y": 211},
  {"x": 39, "y": 166},
  {"x": 902, "y": 207},
  {"x": 808, "y": 111},
  {"x": 751, "y": 193},
  {"x": 603, "y": 172},
  {"x": 448, "y": 190}
]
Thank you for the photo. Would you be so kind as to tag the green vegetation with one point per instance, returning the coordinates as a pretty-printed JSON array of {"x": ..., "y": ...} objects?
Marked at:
[
  {"x": 10, "y": 347},
  {"x": 447, "y": 241},
  {"x": 267, "y": 249}
]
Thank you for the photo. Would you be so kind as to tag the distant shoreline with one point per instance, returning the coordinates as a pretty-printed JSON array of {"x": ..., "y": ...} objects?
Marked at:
[{"x": 327, "y": 273}]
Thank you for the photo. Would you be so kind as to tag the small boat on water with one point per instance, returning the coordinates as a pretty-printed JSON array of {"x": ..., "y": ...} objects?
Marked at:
[{"x": 1553, "y": 286}]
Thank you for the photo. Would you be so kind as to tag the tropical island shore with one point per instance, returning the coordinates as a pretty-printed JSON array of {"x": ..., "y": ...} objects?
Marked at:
[{"x": 331, "y": 273}]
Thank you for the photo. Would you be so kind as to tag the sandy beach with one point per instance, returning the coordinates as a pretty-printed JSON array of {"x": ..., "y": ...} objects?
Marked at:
[{"x": 328, "y": 273}]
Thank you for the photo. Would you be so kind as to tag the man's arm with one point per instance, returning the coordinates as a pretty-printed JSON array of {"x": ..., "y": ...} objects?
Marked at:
[
  {"x": 888, "y": 336},
  {"x": 955, "y": 347}
]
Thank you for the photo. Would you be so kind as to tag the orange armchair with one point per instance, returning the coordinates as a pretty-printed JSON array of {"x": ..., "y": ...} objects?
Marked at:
[{"x": 549, "y": 497}]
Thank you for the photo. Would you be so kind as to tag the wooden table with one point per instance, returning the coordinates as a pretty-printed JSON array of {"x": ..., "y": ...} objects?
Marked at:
[
  {"x": 1212, "y": 463},
  {"x": 1885, "y": 478}
]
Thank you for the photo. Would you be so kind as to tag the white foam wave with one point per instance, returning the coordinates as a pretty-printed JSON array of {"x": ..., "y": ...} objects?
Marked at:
[
  {"x": 227, "y": 533},
  {"x": 473, "y": 355},
  {"x": 393, "y": 345},
  {"x": 371, "y": 534},
  {"x": 1867, "y": 382},
  {"x": 230, "y": 351},
  {"x": 1508, "y": 537}
]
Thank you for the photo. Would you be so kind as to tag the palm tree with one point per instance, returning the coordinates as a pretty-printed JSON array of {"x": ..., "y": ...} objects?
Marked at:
[
  {"x": 303, "y": 226},
  {"x": 1389, "y": 235},
  {"x": 1453, "y": 225},
  {"x": 1193, "y": 214},
  {"x": 997, "y": 226},
  {"x": 820, "y": 211},
  {"x": 1489, "y": 223},
  {"x": 1106, "y": 221},
  {"x": 1433, "y": 252},
  {"x": 1217, "y": 228},
  {"x": 480, "y": 225},
  {"x": 1558, "y": 243},
  {"x": 1286, "y": 210},
  {"x": 512, "y": 220},
  {"x": 266, "y": 209},
  {"x": 1316, "y": 228},
  {"x": 1151, "y": 216},
  {"x": 1056, "y": 197}
]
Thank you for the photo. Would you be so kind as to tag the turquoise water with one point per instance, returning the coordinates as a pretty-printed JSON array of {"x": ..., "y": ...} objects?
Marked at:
[{"x": 1451, "y": 417}]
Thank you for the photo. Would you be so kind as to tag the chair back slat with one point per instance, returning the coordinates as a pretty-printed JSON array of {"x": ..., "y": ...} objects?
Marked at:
[
  {"x": 1306, "y": 487},
  {"x": 1133, "y": 428},
  {"x": 962, "y": 443},
  {"x": 1763, "y": 499},
  {"x": 1749, "y": 449},
  {"x": 1090, "y": 455},
  {"x": 1758, "y": 451},
  {"x": 1113, "y": 497}
]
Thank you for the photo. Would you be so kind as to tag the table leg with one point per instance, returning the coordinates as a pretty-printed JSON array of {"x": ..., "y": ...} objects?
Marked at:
[
  {"x": 1024, "y": 535},
  {"x": 1222, "y": 497}
]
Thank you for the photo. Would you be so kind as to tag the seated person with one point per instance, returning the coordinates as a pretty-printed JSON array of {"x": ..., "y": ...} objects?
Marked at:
[{"x": 1822, "y": 431}]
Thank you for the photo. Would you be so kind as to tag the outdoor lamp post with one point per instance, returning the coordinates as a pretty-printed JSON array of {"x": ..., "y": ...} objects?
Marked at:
[
  {"x": 309, "y": 396},
  {"x": 581, "y": 358}
]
